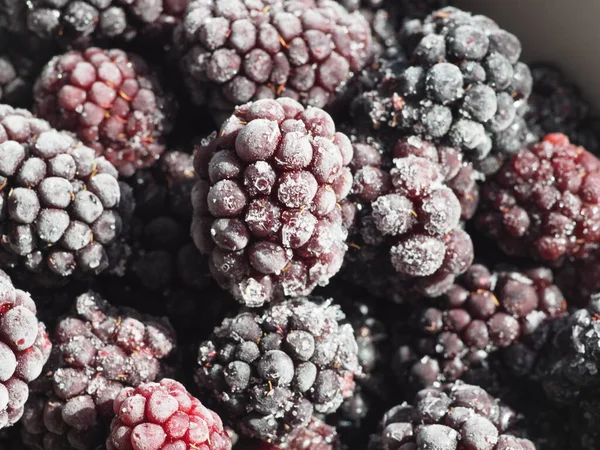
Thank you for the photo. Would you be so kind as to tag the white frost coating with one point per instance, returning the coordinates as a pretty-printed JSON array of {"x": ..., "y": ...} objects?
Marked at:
[
  {"x": 420, "y": 257},
  {"x": 51, "y": 143},
  {"x": 252, "y": 293},
  {"x": 406, "y": 170}
]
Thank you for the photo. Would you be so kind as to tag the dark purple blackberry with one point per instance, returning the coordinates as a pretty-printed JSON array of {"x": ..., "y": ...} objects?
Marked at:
[
  {"x": 270, "y": 370},
  {"x": 408, "y": 210},
  {"x": 557, "y": 106},
  {"x": 58, "y": 201},
  {"x": 164, "y": 416},
  {"x": 462, "y": 416},
  {"x": 482, "y": 313},
  {"x": 317, "y": 435},
  {"x": 568, "y": 374},
  {"x": 98, "y": 351},
  {"x": 24, "y": 349},
  {"x": 233, "y": 52},
  {"x": 544, "y": 202},
  {"x": 80, "y": 23},
  {"x": 111, "y": 100},
  {"x": 463, "y": 86},
  {"x": 265, "y": 209},
  {"x": 581, "y": 279}
]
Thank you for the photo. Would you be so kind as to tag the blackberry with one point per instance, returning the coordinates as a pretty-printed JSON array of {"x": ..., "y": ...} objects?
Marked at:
[
  {"x": 98, "y": 351},
  {"x": 265, "y": 207},
  {"x": 581, "y": 279},
  {"x": 544, "y": 202},
  {"x": 24, "y": 349},
  {"x": 557, "y": 106},
  {"x": 80, "y": 23},
  {"x": 111, "y": 100},
  {"x": 58, "y": 201},
  {"x": 233, "y": 52},
  {"x": 164, "y": 416},
  {"x": 568, "y": 374},
  {"x": 463, "y": 86},
  {"x": 460, "y": 416},
  {"x": 317, "y": 435},
  {"x": 270, "y": 370},
  {"x": 482, "y": 313},
  {"x": 409, "y": 211}
]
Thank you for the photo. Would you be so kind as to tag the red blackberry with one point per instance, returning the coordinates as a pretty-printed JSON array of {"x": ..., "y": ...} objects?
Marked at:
[
  {"x": 265, "y": 208},
  {"x": 544, "y": 202},
  {"x": 233, "y": 52},
  {"x": 24, "y": 349},
  {"x": 80, "y": 23},
  {"x": 164, "y": 416},
  {"x": 409, "y": 211},
  {"x": 111, "y": 100},
  {"x": 98, "y": 351},
  {"x": 270, "y": 370},
  {"x": 483, "y": 312},
  {"x": 463, "y": 86},
  {"x": 58, "y": 201},
  {"x": 557, "y": 105},
  {"x": 317, "y": 435},
  {"x": 460, "y": 416}
]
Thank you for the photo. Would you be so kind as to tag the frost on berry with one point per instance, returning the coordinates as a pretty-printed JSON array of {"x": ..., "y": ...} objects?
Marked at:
[
  {"x": 111, "y": 100},
  {"x": 99, "y": 350},
  {"x": 267, "y": 205},
  {"x": 233, "y": 52},
  {"x": 411, "y": 197},
  {"x": 24, "y": 349}
]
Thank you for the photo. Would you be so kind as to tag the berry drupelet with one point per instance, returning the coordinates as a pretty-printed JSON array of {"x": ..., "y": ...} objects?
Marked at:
[
  {"x": 462, "y": 416},
  {"x": 58, "y": 201},
  {"x": 317, "y": 435},
  {"x": 164, "y": 416},
  {"x": 233, "y": 52},
  {"x": 270, "y": 370},
  {"x": 556, "y": 106},
  {"x": 266, "y": 207},
  {"x": 24, "y": 349},
  {"x": 79, "y": 23},
  {"x": 463, "y": 85},
  {"x": 98, "y": 351},
  {"x": 408, "y": 209},
  {"x": 483, "y": 312},
  {"x": 111, "y": 100},
  {"x": 544, "y": 202}
]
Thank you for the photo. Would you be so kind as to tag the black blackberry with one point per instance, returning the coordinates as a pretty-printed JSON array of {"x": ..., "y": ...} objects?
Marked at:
[
  {"x": 483, "y": 312},
  {"x": 408, "y": 211},
  {"x": 24, "y": 349},
  {"x": 460, "y": 416},
  {"x": 557, "y": 106},
  {"x": 265, "y": 208},
  {"x": 80, "y": 23},
  {"x": 98, "y": 350},
  {"x": 463, "y": 86},
  {"x": 233, "y": 52},
  {"x": 58, "y": 201},
  {"x": 270, "y": 370}
]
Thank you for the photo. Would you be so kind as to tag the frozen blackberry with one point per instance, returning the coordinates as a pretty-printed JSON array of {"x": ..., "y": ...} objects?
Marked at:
[
  {"x": 544, "y": 202},
  {"x": 569, "y": 374},
  {"x": 463, "y": 86},
  {"x": 460, "y": 416},
  {"x": 58, "y": 201},
  {"x": 164, "y": 416},
  {"x": 111, "y": 100},
  {"x": 233, "y": 52},
  {"x": 270, "y": 370},
  {"x": 98, "y": 350},
  {"x": 409, "y": 210},
  {"x": 581, "y": 279},
  {"x": 557, "y": 106},
  {"x": 265, "y": 209},
  {"x": 482, "y": 313},
  {"x": 317, "y": 435},
  {"x": 24, "y": 349},
  {"x": 80, "y": 23}
]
